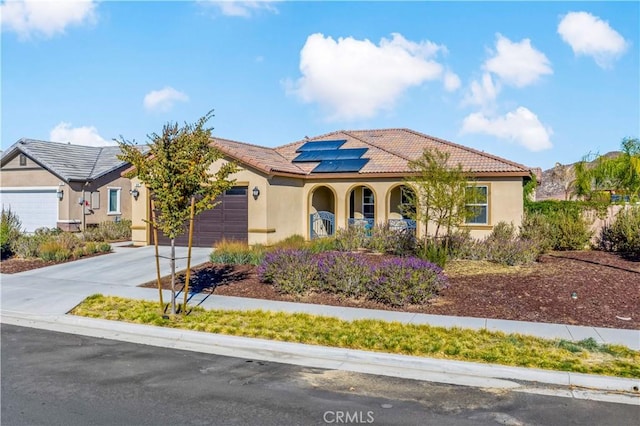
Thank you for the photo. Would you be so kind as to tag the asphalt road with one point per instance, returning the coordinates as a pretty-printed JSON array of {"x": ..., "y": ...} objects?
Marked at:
[{"x": 53, "y": 378}]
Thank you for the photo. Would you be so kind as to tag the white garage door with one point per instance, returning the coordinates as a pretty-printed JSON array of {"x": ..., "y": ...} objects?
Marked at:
[{"x": 36, "y": 207}]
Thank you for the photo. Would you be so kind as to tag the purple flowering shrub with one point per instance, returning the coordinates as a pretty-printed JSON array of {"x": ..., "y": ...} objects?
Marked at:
[
  {"x": 290, "y": 271},
  {"x": 344, "y": 273},
  {"x": 405, "y": 280},
  {"x": 395, "y": 281}
]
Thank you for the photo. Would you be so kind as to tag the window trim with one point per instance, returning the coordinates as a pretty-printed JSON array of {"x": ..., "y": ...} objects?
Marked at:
[
  {"x": 119, "y": 200},
  {"x": 485, "y": 204}
]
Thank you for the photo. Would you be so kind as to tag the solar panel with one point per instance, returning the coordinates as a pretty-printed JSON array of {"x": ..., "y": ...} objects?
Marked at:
[
  {"x": 321, "y": 145},
  {"x": 337, "y": 166},
  {"x": 330, "y": 154}
]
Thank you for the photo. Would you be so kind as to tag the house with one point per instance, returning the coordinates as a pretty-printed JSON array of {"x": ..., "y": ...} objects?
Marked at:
[
  {"x": 49, "y": 184},
  {"x": 315, "y": 186}
]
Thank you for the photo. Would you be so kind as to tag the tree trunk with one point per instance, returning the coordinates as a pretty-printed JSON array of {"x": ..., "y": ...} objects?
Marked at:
[{"x": 173, "y": 277}]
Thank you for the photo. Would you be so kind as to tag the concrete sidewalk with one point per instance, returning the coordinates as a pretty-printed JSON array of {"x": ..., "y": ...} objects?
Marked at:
[{"x": 41, "y": 298}]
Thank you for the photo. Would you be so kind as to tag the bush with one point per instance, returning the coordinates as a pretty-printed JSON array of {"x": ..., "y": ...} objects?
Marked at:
[
  {"x": 537, "y": 228},
  {"x": 345, "y": 274},
  {"x": 351, "y": 238},
  {"x": 320, "y": 245},
  {"x": 109, "y": 231},
  {"x": 53, "y": 251},
  {"x": 237, "y": 253},
  {"x": 570, "y": 231},
  {"x": 68, "y": 241},
  {"x": 622, "y": 234},
  {"x": 290, "y": 271},
  {"x": 562, "y": 229},
  {"x": 408, "y": 280},
  {"x": 10, "y": 230},
  {"x": 385, "y": 239},
  {"x": 90, "y": 247},
  {"x": 434, "y": 251},
  {"x": 104, "y": 247}
]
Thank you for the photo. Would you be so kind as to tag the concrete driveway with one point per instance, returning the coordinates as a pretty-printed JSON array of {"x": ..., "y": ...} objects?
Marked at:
[{"x": 57, "y": 289}]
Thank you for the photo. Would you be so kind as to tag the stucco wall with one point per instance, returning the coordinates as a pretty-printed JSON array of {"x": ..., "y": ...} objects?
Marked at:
[
  {"x": 282, "y": 209},
  {"x": 69, "y": 210}
]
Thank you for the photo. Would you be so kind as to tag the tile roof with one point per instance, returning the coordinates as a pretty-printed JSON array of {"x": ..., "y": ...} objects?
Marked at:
[
  {"x": 388, "y": 150},
  {"x": 69, "y": 162}
]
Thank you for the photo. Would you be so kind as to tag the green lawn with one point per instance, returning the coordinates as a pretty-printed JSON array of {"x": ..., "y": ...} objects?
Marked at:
[{"x": 586, "y": 356}]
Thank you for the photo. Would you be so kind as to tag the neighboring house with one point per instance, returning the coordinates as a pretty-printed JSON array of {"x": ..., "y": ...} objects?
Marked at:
[
  {"x": 317, "y": 185},
  {"x": 51, "y": 184}
]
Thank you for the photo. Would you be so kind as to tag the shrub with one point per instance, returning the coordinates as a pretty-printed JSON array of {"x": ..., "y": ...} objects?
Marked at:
[
  {"x": 294, "y": 242},
  {"x": 320, "y": 245},
  {"x": 290, "y": 271},
  {"x": 78, "y": 252},
  {"x": 52, "y": 250},
  {"x": 401, "y": 281},
  {"x": 623, "y": 233},
  {"x": 345, "y": 274},
  {"x": 90, "y": 247},
  {"x": 434, "y": 251},
  {"x": 351, "y": 238},
  {"x": 385, "y": 239},
  {"x": 104, "y": 247},
  {"x": 537, "y": 228},
  {"x": 109, "y": 231},
  {"x": 68, "y": 240},
  {"x": 237, "y": 253},
  {"x": 570, "y": 231},
  {"x": 10, "y": 230}
]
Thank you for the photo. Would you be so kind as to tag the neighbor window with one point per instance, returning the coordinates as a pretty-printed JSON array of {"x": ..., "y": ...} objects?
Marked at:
[
  {"x": 23, "y": 160},
  {"x": 113, "y": 200},
  {"x": 478, "y": 204}
]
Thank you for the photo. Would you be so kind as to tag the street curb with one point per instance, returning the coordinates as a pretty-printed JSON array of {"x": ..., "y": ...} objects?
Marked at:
[{"x": 404, "y": 366}]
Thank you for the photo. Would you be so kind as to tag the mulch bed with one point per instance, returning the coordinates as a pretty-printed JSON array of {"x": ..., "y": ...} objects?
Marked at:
[
  {"x": 607, "y": 288},
  {"x": 13, "y": 265}
]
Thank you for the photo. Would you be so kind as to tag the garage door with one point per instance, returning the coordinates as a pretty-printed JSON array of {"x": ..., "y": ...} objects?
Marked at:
[
  {"x": 228, "y": 220},
  {"x": 36, "y": 208}
]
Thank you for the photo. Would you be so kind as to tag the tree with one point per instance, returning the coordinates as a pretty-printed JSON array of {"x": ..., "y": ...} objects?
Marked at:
[
  {"x": 175, "y": 169},
  {"x": 439, "y": 192},
  {"x": 620, "y": 173}
]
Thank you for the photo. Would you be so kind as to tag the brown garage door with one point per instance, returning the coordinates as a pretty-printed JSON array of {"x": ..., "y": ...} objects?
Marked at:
[{"x": 226, "y": 221}]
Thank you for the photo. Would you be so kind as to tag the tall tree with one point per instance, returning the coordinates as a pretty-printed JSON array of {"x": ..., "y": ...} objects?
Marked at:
[
  {"x": 439, "y": 192},
  {"x": 620, "y": 173},
  {"x": 176, "y": 169}
]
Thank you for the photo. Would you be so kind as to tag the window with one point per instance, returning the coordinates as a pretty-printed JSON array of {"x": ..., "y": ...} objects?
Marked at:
[
  {"x": 113, "y": 200},
  {"x": 478, "y": 204},
  {"x": 95, "y": 200},
  {"x": 23, "y": 160},
  {"x": 368, "y": 205},
  {"x": 407, "y": 206}
]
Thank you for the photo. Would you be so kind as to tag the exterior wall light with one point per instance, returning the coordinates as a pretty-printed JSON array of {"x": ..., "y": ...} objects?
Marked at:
[
  {"x": 135, "y": 193},
  {"x": 256, "y": 193},
  {"x": 59, "y": 194}
]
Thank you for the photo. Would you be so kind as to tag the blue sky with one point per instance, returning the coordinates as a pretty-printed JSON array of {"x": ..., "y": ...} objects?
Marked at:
[{"x": 535, "y": 82}]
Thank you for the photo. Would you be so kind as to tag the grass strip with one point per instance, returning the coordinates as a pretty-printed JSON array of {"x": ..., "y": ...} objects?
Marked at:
[{"x": 586, "y": 356}]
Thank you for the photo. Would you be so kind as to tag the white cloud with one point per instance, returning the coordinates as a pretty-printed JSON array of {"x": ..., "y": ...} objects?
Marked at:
[
  {"x": 589, "y": 35},
  {"x": 356, "y": 78},
  {"x": 163, "y": 99},
  {"x": 46, "y": 18},
  {"x": 520, "y": 126},
  {"x": 86, "y": 135},
  {"x": 482, "y": 92},
  {"x": 244, "y": 9},
  {"x": 518, "y": 64},
  {"x": 451, "y": 81}
]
